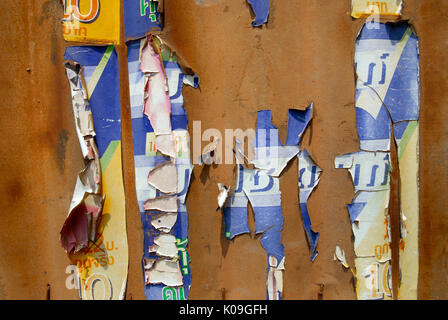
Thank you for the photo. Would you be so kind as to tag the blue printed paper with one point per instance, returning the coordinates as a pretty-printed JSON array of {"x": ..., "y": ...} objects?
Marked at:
[
  {"x": 147, "y": 158},
  {"x": 387, "y": 101},
  {"x": 107, "y": 259},
  {"x": 261, "y": 187},
  {"x": 308, "y": 179},
  {"x": 261, "y": 10},
  {"x": 140, "y": 18}
]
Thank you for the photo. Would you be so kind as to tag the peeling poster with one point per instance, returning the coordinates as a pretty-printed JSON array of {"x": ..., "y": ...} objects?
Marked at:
[
  {"x": 387, "y": 100},
  {"x": 261, "y": 187},
  {"x": 309, "y": 174},
  {"x": 261, "y": 11},
  {"x": 98, "y": 204},
  {"x": 162, "y": 165}
]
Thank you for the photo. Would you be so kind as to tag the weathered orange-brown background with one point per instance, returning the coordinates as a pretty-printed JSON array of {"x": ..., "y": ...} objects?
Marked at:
[{"x": 304, "y": 54}]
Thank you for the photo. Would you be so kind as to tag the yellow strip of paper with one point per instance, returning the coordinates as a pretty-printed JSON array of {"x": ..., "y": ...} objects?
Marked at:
[
  {"x": 384, "y": 8},
  {"x": 103, "y": 269},
  {"x": 409, "y": 193}
]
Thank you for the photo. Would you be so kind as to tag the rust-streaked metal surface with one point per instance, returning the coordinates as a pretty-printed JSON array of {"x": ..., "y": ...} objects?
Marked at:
[{"x": 304, "y": 54}]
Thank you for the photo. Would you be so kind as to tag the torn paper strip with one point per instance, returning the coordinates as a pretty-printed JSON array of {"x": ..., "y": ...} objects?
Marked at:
[
  {"x": 161, "y": 148},
  {"x": 390, "y": 54},
  {"x": 261, "y": 187},
  {"x": 157, "y": 104},
  {"x": 387, "y": 98},
  {"x": 308, "y": 179},
  {"x": 102, "y": 267},
  {"x": 368, "y": 211},
  {"x": 80, "y": 227},
  {"x": 383, "y": 8},
  {"x": 263, "y": 191},
  {"x": 339, "y": 255},
  {"x": 261, "y": 11},
  {"x": 274, "y": 283},
  {"x": 408, "y": 160}
]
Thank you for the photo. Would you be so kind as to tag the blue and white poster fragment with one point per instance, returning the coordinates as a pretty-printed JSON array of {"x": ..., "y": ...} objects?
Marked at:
[
  {"x": 387, "y": 98},
  {"x": 309, "y": 174},
  {"x": 142, "y": 17},
  {"x": 261, "y": 10},
  {"x": 261, "y": 187},
  {"x": 162, "y": 165}
]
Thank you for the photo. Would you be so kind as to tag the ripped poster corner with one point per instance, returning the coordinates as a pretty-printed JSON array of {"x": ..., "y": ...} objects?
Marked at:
[
  {"x": 80, "y": 227},
  {"x": 261, "y": 187},
  {"x": 94, "y": 234},
  {"x": 376, "y": 9},
  {"x": 261, "y": 11},
  {"x": 387, "y": 101},
  {"x": 162, "y": 165}
]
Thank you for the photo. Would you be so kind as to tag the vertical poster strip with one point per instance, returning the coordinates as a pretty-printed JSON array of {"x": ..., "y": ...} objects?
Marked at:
[
  {"x": 102, "y": 269},
  {"x": 261, "y": 187},
  {"x": 163, "y": 212},
  {"x": 387, "y": 98},
  {"x": 409, "y": 202},
  {"x": 369, "y": 215},
  {"x": 309, "y": 174},
  {"x": 92, "y": 21}
]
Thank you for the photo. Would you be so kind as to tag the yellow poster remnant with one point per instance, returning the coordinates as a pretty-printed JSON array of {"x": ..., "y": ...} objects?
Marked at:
[
  {"x": 92, "y": 21},
  {"x": 384, "y": 8},
  {"x": 409, "y": 195},
  {"x": 102, "y": 270}
]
